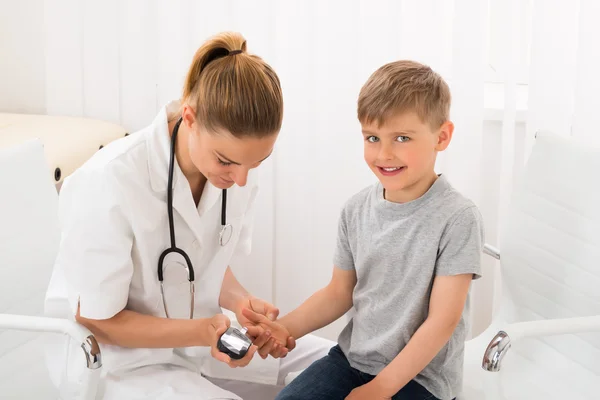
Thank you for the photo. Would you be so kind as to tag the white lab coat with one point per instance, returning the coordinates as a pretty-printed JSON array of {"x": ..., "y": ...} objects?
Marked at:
[{"x": 113, "y": 215}]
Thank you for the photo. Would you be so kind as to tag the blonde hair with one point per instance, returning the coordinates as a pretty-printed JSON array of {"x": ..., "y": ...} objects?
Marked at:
[
  {"x": 404, "y": 86},
  {"x": 233, "y": 90}
]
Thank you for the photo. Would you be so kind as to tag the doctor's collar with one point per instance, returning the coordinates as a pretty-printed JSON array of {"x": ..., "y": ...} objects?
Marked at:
[{"x": 158, "y": 148}]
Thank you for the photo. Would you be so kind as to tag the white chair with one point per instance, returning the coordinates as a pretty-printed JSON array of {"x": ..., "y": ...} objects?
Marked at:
[
  {"x": 29, "y": 238},
  {"x": 68, "y": 141},
  {"x": 544, "y": 343}
]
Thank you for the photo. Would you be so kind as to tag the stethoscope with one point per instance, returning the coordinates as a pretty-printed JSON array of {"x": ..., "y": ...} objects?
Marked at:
[{"x": 224, "y": 234}]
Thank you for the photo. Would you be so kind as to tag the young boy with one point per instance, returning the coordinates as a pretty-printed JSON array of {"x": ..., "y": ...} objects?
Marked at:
[{"x": 408, "y": 248}]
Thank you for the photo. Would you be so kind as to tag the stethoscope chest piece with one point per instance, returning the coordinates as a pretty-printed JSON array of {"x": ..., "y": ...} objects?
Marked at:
[
  {"x": 225, "y": 234},
  {"x": 190, "y": 277}
]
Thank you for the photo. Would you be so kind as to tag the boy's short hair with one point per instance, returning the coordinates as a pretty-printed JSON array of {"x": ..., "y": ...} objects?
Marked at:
[{"x": 404, "y": 86}]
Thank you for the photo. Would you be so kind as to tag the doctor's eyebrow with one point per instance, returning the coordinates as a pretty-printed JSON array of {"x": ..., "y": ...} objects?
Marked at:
[{"x": 237, "y": 163}]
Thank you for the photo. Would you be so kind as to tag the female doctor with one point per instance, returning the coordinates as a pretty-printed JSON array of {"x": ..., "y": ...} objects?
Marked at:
[{"x": 150, "y": 225}]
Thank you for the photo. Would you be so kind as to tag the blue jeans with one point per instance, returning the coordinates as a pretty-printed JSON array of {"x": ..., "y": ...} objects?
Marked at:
[{"x": 332, "y": 378}]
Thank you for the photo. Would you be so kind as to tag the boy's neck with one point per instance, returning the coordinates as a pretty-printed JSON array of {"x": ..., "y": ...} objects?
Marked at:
[{"x": 412, "y": 192}]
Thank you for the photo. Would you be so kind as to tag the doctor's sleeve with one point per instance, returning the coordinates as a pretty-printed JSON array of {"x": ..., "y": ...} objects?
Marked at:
[{"x": 95, "y": 247}]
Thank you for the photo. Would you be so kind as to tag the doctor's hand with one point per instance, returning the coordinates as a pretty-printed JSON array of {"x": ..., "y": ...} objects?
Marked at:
[
  {"x": 270, "y": 337},
  {"x": 258, "y": 306},
  {"x": 216, "y": 327}
]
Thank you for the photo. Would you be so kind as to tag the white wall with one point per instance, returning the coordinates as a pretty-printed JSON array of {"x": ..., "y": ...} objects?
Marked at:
[
  {"x": 22, "y": 57},
  {"x": 122, "y": 60}
]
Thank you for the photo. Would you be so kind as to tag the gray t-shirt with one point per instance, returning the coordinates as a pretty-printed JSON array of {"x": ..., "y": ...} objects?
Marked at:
[{"x": 397, "y": 250}]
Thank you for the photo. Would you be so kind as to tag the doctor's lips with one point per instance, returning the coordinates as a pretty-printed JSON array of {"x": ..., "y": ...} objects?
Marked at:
[{"x": 390, "y": 171}]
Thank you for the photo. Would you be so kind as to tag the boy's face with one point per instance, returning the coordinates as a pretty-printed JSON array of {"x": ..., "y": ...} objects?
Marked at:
[{"x": 402, "y": 154}]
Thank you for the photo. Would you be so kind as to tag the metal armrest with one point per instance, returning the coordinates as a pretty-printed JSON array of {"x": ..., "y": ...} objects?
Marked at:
[
  {"x": 499, "y": 345},
  {"x": 89, "y": 345},
  {"x": 491, "y": 251}
]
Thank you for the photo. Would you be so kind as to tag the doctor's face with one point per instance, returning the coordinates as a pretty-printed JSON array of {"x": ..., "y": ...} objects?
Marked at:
[{"x": 225, "y": 159}]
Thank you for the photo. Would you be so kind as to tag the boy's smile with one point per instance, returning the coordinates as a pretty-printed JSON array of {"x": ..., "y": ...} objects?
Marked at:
[{"x": 390, "y": 171}]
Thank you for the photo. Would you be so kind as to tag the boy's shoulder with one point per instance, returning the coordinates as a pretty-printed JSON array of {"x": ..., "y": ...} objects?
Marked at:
[
  {"x": 456, "y": 205},
  {"x": 452, "y": 201},
  {"x": 360, "y": 200},
  {"x": 457, "y": 212}
]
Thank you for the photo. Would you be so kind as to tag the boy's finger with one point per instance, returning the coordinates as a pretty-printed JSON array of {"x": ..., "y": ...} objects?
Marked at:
[
  {"x": 262, "y": 339},
  {"x": 280, "y": 352},
  {"x": 291, "y": 343},
  {"x": 265, "y": 350},
  {"x": 254, "y": 331}
]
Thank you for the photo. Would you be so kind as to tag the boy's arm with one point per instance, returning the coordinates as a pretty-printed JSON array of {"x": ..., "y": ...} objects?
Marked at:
[
  {"x": 323, "y": 307},
  {"x": 448, "y": 297}
]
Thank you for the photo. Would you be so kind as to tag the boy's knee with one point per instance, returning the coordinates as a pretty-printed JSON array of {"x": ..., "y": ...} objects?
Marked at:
[
  {"x": 296, "y": 389},
  {"x": 289, "y": 393}
]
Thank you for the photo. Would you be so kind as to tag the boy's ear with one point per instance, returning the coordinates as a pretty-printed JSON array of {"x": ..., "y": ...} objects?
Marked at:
[{"x": 444, "y": 135}]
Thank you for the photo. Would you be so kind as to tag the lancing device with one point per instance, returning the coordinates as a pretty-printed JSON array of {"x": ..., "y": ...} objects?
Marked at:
[{"x": 234, "y": 343}]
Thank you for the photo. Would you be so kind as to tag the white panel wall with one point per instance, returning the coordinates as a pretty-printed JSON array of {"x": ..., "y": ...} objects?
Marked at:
[
  {"x": 586, "y": 115},
  {"x": 138, "y": 58},
  {"x": 64, "y": 57},
  {"x": 100, "y": 54},
  {"x": 22, "y": 70},
  {"x": 122, "y": 60},
  {"x": 554, "y": 38}
]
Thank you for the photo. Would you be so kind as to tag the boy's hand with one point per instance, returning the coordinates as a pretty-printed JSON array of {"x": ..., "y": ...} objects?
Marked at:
[
  {"x": 217, "y": 327},
  {"x": 270, "y": 337},
  {"x": 264, "y": 345},
  {"x": 370, "y": 391}
]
